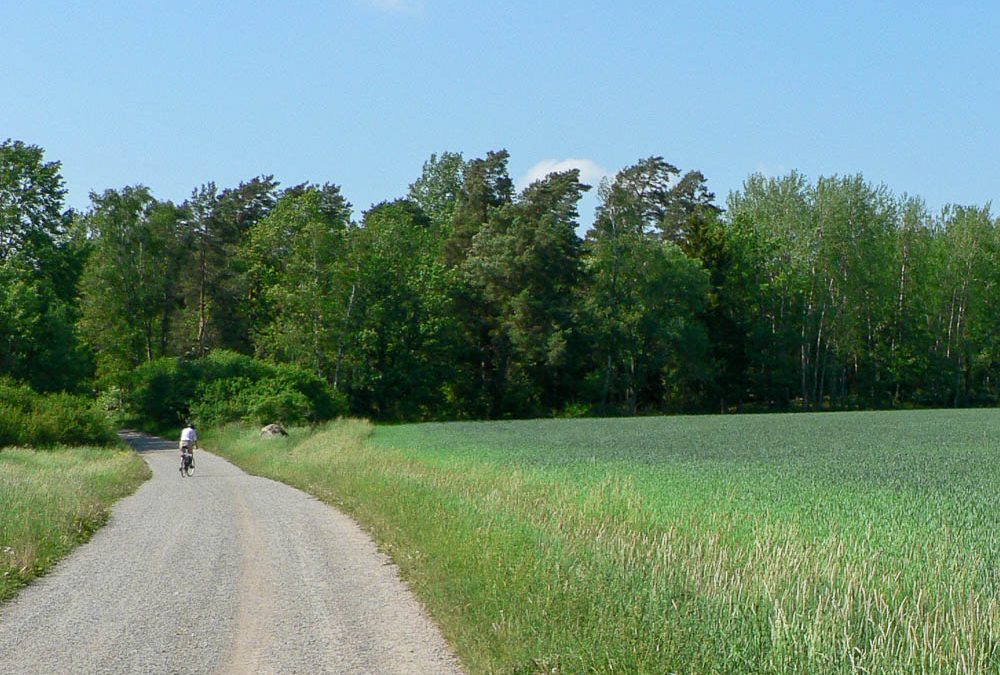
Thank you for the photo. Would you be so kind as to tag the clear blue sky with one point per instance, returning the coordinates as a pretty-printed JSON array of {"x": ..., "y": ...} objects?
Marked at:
[{"x": 361, "y": 92}]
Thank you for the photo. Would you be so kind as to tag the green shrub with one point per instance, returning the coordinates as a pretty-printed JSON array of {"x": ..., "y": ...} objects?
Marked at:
[
  {"x": 10, "y": 425},
  {"x": 276, "y": 402},
  {"x": 63, "y": 419},
  {"x": 220, "y": 401},
  {"x": 45, "y": 420},
  {"x": 224, "y": 365},
  {"x": 112, "y": 403},
  {"x": 226, "y": 387},
  {"x": 326, "y": 404},
  {"x": 159, "y": 391}
]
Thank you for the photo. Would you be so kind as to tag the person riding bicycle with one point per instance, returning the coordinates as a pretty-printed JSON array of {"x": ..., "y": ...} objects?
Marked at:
[{"x": 189, "y": 441}]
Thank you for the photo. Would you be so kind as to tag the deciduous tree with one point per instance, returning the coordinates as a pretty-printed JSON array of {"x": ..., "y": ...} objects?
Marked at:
[
  {"x": 299, "y": 255},
  {"x": 130, "y": 282}
]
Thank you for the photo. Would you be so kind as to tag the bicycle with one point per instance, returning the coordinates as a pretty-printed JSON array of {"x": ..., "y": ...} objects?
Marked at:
[{"x": 187, "y": 463}]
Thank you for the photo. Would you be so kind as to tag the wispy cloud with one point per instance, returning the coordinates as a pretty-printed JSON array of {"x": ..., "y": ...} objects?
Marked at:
[
  {"x": 397, "y": 6},
  {"x": 772, "y": 170},
  {"x": 591, "y": 172}
]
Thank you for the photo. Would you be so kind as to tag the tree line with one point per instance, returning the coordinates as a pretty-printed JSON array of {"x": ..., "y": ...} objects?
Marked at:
[{"x": 468, "y": 299}]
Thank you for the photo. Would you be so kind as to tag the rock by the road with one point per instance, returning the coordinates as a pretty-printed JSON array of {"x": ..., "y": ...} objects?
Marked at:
[{"x": 273, "y": 431}]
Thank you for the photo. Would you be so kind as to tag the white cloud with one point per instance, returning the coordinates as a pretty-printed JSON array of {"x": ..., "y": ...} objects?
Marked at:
[
  {"x": 772, "y": 170},
  {"x": 397, "y": 6},
  {"x": 591, "y": 172}
]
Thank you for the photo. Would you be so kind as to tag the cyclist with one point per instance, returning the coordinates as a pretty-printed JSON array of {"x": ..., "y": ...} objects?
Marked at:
[{"x": 189, "y": 441}]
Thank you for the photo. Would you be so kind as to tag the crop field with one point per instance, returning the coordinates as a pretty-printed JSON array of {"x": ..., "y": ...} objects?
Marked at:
[
  {"x": 53, "y": 500},
  {"x": 839, "y": 542}
]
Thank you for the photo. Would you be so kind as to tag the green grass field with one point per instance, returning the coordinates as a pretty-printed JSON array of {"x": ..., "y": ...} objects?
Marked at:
[
  {"x": 53, "y": 500},
  {"x": 824, "y": 543}
]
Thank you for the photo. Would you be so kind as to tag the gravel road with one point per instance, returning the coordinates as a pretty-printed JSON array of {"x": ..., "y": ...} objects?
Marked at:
[{"x": 220, "y": 573}]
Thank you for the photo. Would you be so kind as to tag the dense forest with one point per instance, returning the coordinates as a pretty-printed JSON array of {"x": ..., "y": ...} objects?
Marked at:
[{"x": 467, "y": 299}]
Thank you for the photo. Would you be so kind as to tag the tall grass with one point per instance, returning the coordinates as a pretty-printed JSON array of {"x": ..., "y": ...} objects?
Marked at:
[
  {"x": 54, "y": 500},
  {"x": 776, "y": 544}
]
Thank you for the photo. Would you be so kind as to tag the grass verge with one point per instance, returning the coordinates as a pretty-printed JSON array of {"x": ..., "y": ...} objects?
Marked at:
[
  {"x": 772, "y": 544},
  {"x": 54, "y": 500}
]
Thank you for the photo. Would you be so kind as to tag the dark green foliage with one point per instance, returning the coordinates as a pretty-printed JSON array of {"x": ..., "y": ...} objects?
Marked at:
[
  {"x": 38, "y": 341},
  {"x": 646, "y": 298},
  {"x": 39, "y": 268},
  {"x": 218, "y": 291},
  {"x": 129, "y": 285},
  {"x": 524, "y": 266},
  {"x": 31, "y": 419},
  {"x": 160, "y": 392},
  {"x": 270, "y": 399},
  {"x": 225, "y": 387},
  {"x": 439, "y": 187},
  {"x": 486, "y": 186},
  {"x": 469, "y": 300},
  {"x": 298, "y": 259},
  {"x": 401, "y": 331},
  {"x": 31, "y": 202}
]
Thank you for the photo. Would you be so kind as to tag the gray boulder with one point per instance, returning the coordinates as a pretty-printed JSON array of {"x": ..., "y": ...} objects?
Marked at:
[{"x": 273, "y": 431}]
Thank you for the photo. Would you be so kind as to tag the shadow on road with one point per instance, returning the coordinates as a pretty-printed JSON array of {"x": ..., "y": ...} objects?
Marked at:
[{"x": 142, "y": 443}]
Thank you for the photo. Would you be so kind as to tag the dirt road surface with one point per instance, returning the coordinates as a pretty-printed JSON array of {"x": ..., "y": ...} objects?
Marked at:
[{"x": 220, "y": 573}]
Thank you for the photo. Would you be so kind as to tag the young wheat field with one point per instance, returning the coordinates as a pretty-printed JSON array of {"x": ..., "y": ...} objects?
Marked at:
[{"x": 823, "y": 543}]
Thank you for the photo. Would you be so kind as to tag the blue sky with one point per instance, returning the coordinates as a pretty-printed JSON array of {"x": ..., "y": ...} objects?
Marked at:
[{"x": 360, "y": 92}]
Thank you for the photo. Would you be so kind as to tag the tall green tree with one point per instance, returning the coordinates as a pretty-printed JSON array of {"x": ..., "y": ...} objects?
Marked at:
[
  {"x": 401, "y": 327},
  {"x": 234, "y": 299},
  {"x": 724, "y": 256},
  {"x": 38, "y": 341},
  {"x": 298, "y": 254},
  {"x": 31, "y": 202},
  {"x": 486, "y": 187},
  {"x": 967, "y": 299},
  {"x": 219, "y": 301},
  {"x": 910, "y": 353},
  {"x": 773, "y": 220},
  {"x": 130, "y": 281},
  {"x": 645, "y": 298},
  {"x": 526, "y": 265},
  {"x": 39, "y": 268},
  {"x": 479, "y": 360},
  {"x": 438, "y": 189},
  {"x": 854, "y": 286}
]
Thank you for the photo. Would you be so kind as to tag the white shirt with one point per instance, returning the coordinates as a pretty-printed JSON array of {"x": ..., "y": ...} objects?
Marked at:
[{"x": 189, "y": 434}]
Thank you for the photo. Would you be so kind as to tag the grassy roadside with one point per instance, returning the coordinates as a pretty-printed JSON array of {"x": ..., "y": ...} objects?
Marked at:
[
  {"x": 54, "y": 500},
  {"x": 776, "y": 544}
]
